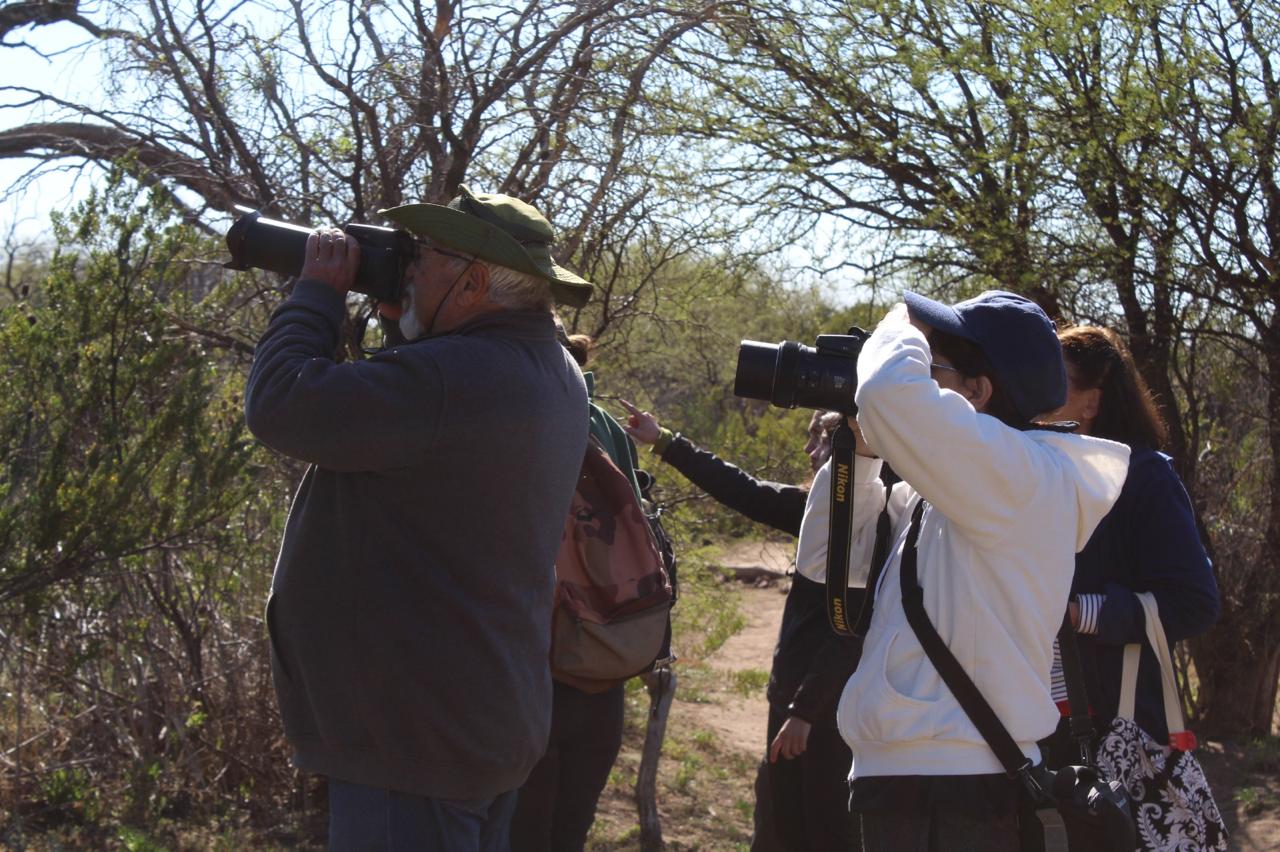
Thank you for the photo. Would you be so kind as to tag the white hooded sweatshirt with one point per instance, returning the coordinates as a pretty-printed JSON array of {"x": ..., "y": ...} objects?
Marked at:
[{"x": 1007, "y": 512}]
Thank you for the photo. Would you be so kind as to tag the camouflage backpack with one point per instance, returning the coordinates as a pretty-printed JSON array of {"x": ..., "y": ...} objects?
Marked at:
[{"x": 613, "y": 599}]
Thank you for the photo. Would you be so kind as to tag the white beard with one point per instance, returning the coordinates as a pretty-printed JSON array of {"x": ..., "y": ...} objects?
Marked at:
[{"x": 410, "y": 327}]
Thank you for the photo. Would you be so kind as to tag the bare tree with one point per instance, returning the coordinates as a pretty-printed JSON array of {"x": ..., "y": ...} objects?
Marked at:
[
  {"x": 331, "y": 111},
  {"x": 1228, "y": 123}
]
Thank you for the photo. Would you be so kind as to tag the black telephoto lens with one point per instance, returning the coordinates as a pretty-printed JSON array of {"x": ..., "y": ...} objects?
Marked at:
[
  {"x": 790, "y": 374},
  {"x": 756, "y": 363},
  {"x": 259, "y": 243}
]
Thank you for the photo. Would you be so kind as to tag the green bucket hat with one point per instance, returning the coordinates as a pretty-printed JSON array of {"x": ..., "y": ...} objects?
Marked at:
[{"x": 499, "y": 229}]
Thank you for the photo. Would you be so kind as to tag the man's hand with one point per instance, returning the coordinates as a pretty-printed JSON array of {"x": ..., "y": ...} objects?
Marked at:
[
  {"x": 641, "y": 425},
  {"x": 791, "y": 741},
  {"x": 333, "y": 258}
]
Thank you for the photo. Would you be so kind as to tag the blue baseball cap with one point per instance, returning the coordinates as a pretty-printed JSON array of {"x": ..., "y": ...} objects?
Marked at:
[{"x": 1018, "y": 339}]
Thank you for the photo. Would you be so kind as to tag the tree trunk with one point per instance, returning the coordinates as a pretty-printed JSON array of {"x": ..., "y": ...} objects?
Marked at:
[
  {"x": 1240, "y": 687},
  {"x": 1239, "y": 660}
]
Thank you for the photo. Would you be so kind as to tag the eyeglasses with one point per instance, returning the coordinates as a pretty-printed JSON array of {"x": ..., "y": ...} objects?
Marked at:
[
  {"x": 936, "y": 366},
  {"x": 429, "y": 247}
]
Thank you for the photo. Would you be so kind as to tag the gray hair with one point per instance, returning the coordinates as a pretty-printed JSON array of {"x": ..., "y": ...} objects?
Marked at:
[{"x": 517, "y": 291}]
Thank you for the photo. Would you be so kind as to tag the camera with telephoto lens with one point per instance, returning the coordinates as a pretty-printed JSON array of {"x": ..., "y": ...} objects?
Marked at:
[
  {"x": 791, "y": 375},
  {"x": 385, "y": 253}
]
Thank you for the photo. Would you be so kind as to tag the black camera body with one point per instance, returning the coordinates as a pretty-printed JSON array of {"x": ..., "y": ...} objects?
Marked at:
[
  {"x": 385, "y": 253},
  {"x": 791, "y": 375}
]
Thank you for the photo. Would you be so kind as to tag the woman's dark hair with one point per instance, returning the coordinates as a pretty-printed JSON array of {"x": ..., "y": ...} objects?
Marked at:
[
  {"x": 967, "y": 357},
  {"x": 1098, "y": 358},
  {"x": 579, "y": 346}
]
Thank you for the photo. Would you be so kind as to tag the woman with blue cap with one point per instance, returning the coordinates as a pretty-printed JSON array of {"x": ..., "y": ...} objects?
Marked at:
[{"x": 992, "y": 508}]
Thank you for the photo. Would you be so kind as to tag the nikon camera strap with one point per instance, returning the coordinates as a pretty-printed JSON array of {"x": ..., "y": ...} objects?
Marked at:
[{"x": 840, "y": 539}]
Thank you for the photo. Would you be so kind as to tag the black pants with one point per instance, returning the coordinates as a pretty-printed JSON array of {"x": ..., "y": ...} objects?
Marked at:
[
  {"x": 939, "y": 831},
  {"x": 810, "y": 793},
  {"x": 940, "y": 813},
  {"x": 764, "y": 829},
  {"x": 557, "y": 803}
]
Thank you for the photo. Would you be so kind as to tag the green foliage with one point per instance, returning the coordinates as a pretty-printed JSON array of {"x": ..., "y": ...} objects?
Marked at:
[
  {"x": 120, "y": 438},
  {"x": 131, "y": 503},
  {"x": 678, "y": 361},
  {"x": 136, "y": 840},
  {"x": 1262, "y": 755},
  {"x": 750, "y": 682},
  {"x": 1255, "y": 800},
  {"x": 73, "y": 790},
  {"x": 708, "y": 611}
]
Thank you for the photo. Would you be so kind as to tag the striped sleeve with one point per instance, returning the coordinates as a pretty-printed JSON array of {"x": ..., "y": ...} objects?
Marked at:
[
  {"x": 1090, "y": 609},
  {"x": 1057, "y": 680}
]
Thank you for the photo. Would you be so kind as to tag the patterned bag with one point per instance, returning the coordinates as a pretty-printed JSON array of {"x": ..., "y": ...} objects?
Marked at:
[{"x": 1172, "y": 805}]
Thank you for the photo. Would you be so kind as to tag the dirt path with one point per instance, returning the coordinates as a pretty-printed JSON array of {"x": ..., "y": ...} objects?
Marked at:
[{"x": 739, "y": 719}]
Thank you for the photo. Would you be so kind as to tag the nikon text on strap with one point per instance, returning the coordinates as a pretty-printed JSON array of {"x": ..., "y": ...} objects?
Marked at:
[
  {"x": 840, "y": 538},
  {"x": 840, "y": 529}
]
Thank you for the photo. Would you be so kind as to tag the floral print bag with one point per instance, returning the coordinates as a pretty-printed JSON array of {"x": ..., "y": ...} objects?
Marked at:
[{"x": 1172, "y": 805}]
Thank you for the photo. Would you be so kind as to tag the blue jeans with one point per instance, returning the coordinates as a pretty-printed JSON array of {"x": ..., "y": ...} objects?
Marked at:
[{"x": 372, "y": 819}]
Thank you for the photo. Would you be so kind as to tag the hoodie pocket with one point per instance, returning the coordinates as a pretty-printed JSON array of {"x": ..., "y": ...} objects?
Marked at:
[{"x": 874, "y": 710}]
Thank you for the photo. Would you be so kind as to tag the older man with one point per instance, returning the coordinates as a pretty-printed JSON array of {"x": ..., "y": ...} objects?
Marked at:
[{"x": 410, "y": 608}]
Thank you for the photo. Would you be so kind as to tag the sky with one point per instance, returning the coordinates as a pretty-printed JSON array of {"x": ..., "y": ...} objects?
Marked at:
[
  {"x": 55, "y": 59},
  {"x": 65, "y": 70}
]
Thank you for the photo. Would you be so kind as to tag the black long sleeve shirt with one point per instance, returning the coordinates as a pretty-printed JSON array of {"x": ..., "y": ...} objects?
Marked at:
[{"x": 811, "y": 663}]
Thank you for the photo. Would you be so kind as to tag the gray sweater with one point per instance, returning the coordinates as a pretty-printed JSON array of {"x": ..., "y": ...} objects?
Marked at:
[{"x": 410, "y": 609}]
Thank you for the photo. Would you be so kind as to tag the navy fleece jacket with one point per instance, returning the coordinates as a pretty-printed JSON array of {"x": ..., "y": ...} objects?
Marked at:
[
  {"x": 411, "y": 604},
  {"x": 1147, "y": 543}
]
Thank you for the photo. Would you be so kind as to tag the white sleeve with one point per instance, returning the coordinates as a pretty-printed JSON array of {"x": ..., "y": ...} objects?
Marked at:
[
  {"x": 868, "y": 500},
  {"x": 977, "y": 471}
]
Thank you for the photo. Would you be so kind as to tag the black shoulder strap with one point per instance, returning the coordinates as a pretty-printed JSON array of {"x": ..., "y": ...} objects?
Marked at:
[
  {"x": 840, "y": 538},
  {"x": 879, "y": 555},
  {"x": 962, "y": 686},
  {"x": 1077, "y": 696},
  {"x": 949, "y": 668},
  {"x": 840, "y": 529}
]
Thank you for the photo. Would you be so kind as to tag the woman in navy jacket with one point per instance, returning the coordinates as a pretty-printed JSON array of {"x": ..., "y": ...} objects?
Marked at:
[{"x": 1147, "y": 543}]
